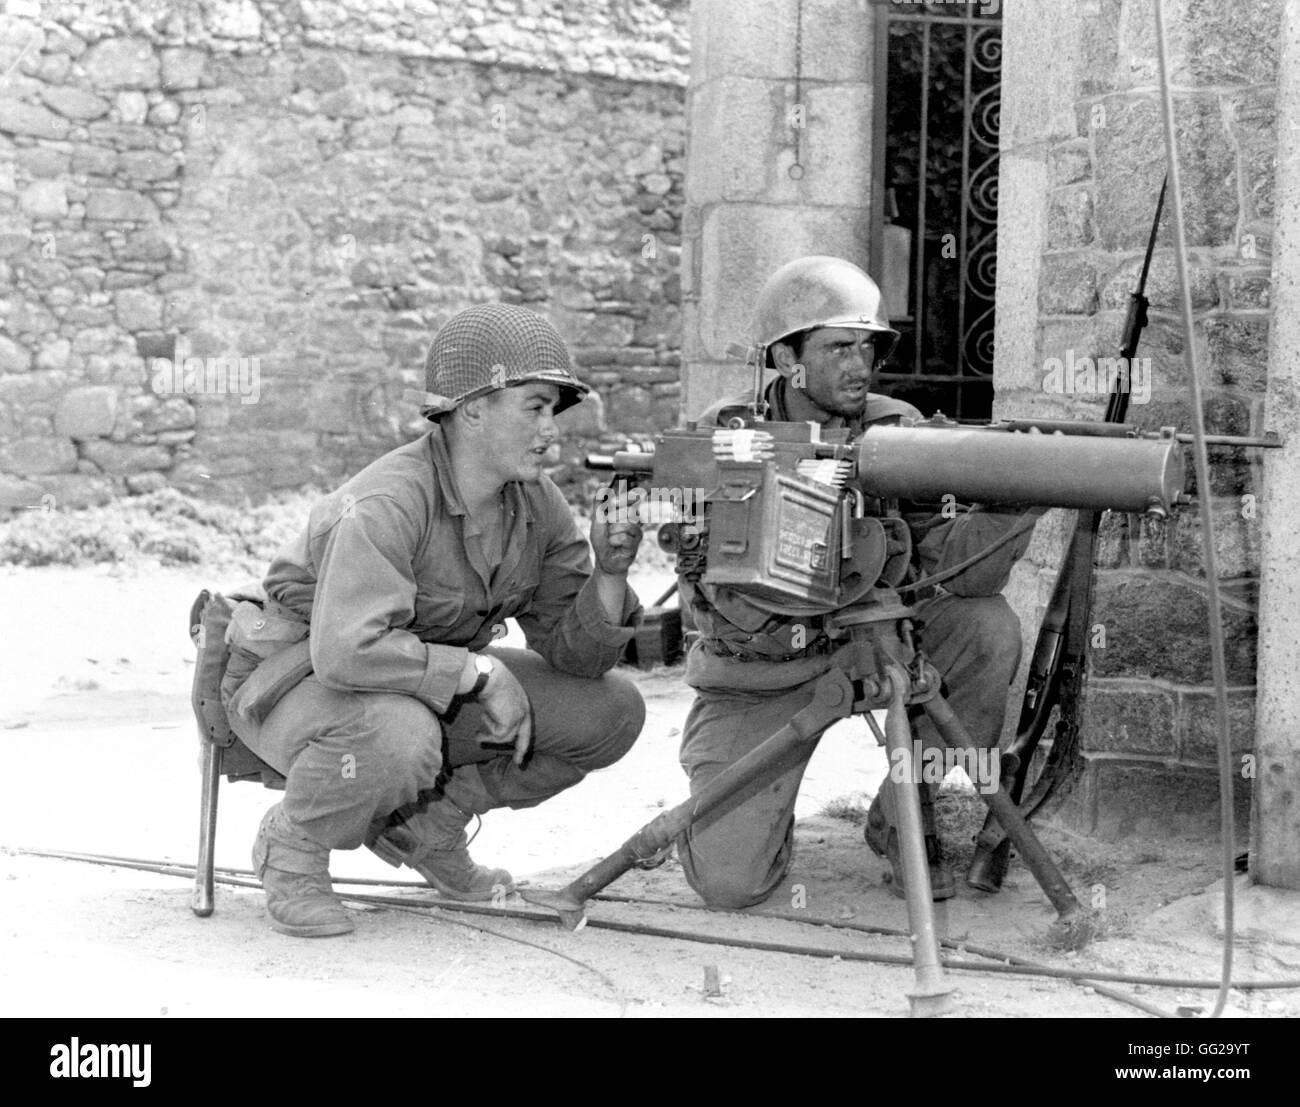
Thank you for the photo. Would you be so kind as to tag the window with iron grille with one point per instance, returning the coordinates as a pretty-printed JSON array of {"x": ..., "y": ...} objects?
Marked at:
[{"x": 934, "y": 199}]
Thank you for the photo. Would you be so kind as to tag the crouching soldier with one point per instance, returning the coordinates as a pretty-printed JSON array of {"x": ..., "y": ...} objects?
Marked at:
[{"x": 409, "y": 724}]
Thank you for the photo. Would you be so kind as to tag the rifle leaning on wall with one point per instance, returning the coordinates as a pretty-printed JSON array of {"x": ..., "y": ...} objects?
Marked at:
[{"x": 1057, "y": 668}]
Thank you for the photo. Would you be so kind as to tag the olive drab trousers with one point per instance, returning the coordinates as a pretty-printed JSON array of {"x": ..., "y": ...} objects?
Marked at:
[
  {"x": 738, "y": 855},
  {"x": 352, "y": 758}
]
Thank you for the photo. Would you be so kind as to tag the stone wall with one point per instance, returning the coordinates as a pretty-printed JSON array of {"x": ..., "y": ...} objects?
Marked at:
[
  {"x": 228, "y": 229},
  {"x": 780, "y": 123},
  {"x": 1083, "y": 158}
]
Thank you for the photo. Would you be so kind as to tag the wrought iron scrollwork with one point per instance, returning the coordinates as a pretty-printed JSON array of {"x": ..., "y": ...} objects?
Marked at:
[{"x": 944, "y": 97}]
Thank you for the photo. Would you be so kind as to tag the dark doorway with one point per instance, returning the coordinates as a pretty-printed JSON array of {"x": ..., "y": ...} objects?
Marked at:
[{"x": 934, "y": 227}]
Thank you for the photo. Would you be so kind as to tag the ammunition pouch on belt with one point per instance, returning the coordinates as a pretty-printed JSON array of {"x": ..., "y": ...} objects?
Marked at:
[
  {"x": 721, "y": 647},
  {"x": 730, "y": 626},
  {"x": 269, "y": 655}
]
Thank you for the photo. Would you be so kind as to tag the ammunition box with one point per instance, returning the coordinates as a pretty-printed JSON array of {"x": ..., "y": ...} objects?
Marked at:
[{"x": 775, "y": 535}]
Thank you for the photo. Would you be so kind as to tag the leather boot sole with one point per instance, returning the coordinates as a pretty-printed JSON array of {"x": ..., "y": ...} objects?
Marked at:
[{"x": 320, "y": 930}]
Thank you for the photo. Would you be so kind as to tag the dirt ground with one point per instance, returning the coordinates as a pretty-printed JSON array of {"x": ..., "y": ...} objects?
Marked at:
[{"x": 99, "y": 755}]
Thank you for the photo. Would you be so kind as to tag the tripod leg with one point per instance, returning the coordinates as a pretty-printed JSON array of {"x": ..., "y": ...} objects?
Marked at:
[
  {"x": 833, "y": 700},
  {"x": 932, "y": 995},
  {"x": 1036, "y": 858},
  {"x": 988, "y": 868}
]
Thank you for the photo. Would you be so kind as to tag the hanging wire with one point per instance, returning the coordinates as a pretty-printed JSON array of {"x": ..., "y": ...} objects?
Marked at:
[
  {"x": 800, "y": 117},
  {"x": 1200, "y": 458}
]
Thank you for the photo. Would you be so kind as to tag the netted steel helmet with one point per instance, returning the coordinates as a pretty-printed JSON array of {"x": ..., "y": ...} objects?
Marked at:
[
  {"x": 819, "y": 291},
  {"x": 493, "y": 346}
]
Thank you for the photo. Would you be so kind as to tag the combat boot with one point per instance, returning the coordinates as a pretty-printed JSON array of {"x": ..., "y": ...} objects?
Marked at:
[
  {"x": 883, "y": 840},
  {"x": 295, "y": 875},
  {"x": 433, "y": 842}
]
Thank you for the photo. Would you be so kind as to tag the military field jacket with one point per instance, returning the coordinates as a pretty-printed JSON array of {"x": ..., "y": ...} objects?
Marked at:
[
  {"x": 777, "y": 652},
  {"x": 390, "y": 574}
]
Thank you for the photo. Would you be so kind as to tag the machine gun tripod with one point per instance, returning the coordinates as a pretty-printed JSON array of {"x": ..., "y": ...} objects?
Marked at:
[
  {"x": 876, "y": 666},
  {"x": 774, "y": 521}
]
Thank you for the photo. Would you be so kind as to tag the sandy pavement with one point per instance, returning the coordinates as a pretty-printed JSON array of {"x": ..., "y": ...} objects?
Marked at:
[{"x": 99, "y": 755}]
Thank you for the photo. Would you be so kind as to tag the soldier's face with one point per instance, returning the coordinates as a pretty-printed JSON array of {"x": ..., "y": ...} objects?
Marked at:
[
  {"x": 520, "y": 428},
  {"x": 837, "y": 363}
]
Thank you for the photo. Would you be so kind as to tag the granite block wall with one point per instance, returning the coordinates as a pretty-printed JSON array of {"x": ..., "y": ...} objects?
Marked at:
[{"x": 228, "y": 229}]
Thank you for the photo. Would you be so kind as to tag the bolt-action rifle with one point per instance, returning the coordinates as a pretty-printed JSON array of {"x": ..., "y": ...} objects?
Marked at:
[
  {"x": 1056, "y": 669},
  {"x": 1057, "y": 665}
]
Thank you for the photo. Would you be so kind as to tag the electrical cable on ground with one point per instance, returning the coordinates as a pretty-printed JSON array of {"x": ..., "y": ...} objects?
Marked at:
[
  {"x": 412, "y": 909},
  {"x": 245, "y": 878},
  {"x": 1000, "y": 963}
]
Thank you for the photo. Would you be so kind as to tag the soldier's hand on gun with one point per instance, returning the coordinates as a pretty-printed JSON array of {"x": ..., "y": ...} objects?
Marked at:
[
  {"x": 615, "y": 533},
  {"x": 507, "y": 714}
]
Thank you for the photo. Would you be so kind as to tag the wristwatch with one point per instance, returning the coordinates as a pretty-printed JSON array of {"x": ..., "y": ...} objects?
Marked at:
[{"x": 483, "y": 666}]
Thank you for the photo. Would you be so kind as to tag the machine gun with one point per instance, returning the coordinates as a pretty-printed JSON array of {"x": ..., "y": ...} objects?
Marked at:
[{"x": 778, "y": 512}]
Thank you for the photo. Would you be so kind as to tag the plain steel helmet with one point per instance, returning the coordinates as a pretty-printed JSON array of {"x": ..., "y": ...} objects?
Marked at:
[
  {"x": 819, "y": 291},
  {"x": 493, "y": 346}
]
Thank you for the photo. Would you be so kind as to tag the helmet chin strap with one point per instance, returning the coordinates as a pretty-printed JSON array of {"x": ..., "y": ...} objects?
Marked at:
[
  {"x": 757, "y": 357},
  {"x": 759, "y": 404}
]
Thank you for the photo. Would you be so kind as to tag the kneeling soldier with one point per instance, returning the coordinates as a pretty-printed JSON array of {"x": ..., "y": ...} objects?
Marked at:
[{"x": 821, "y": 323}]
